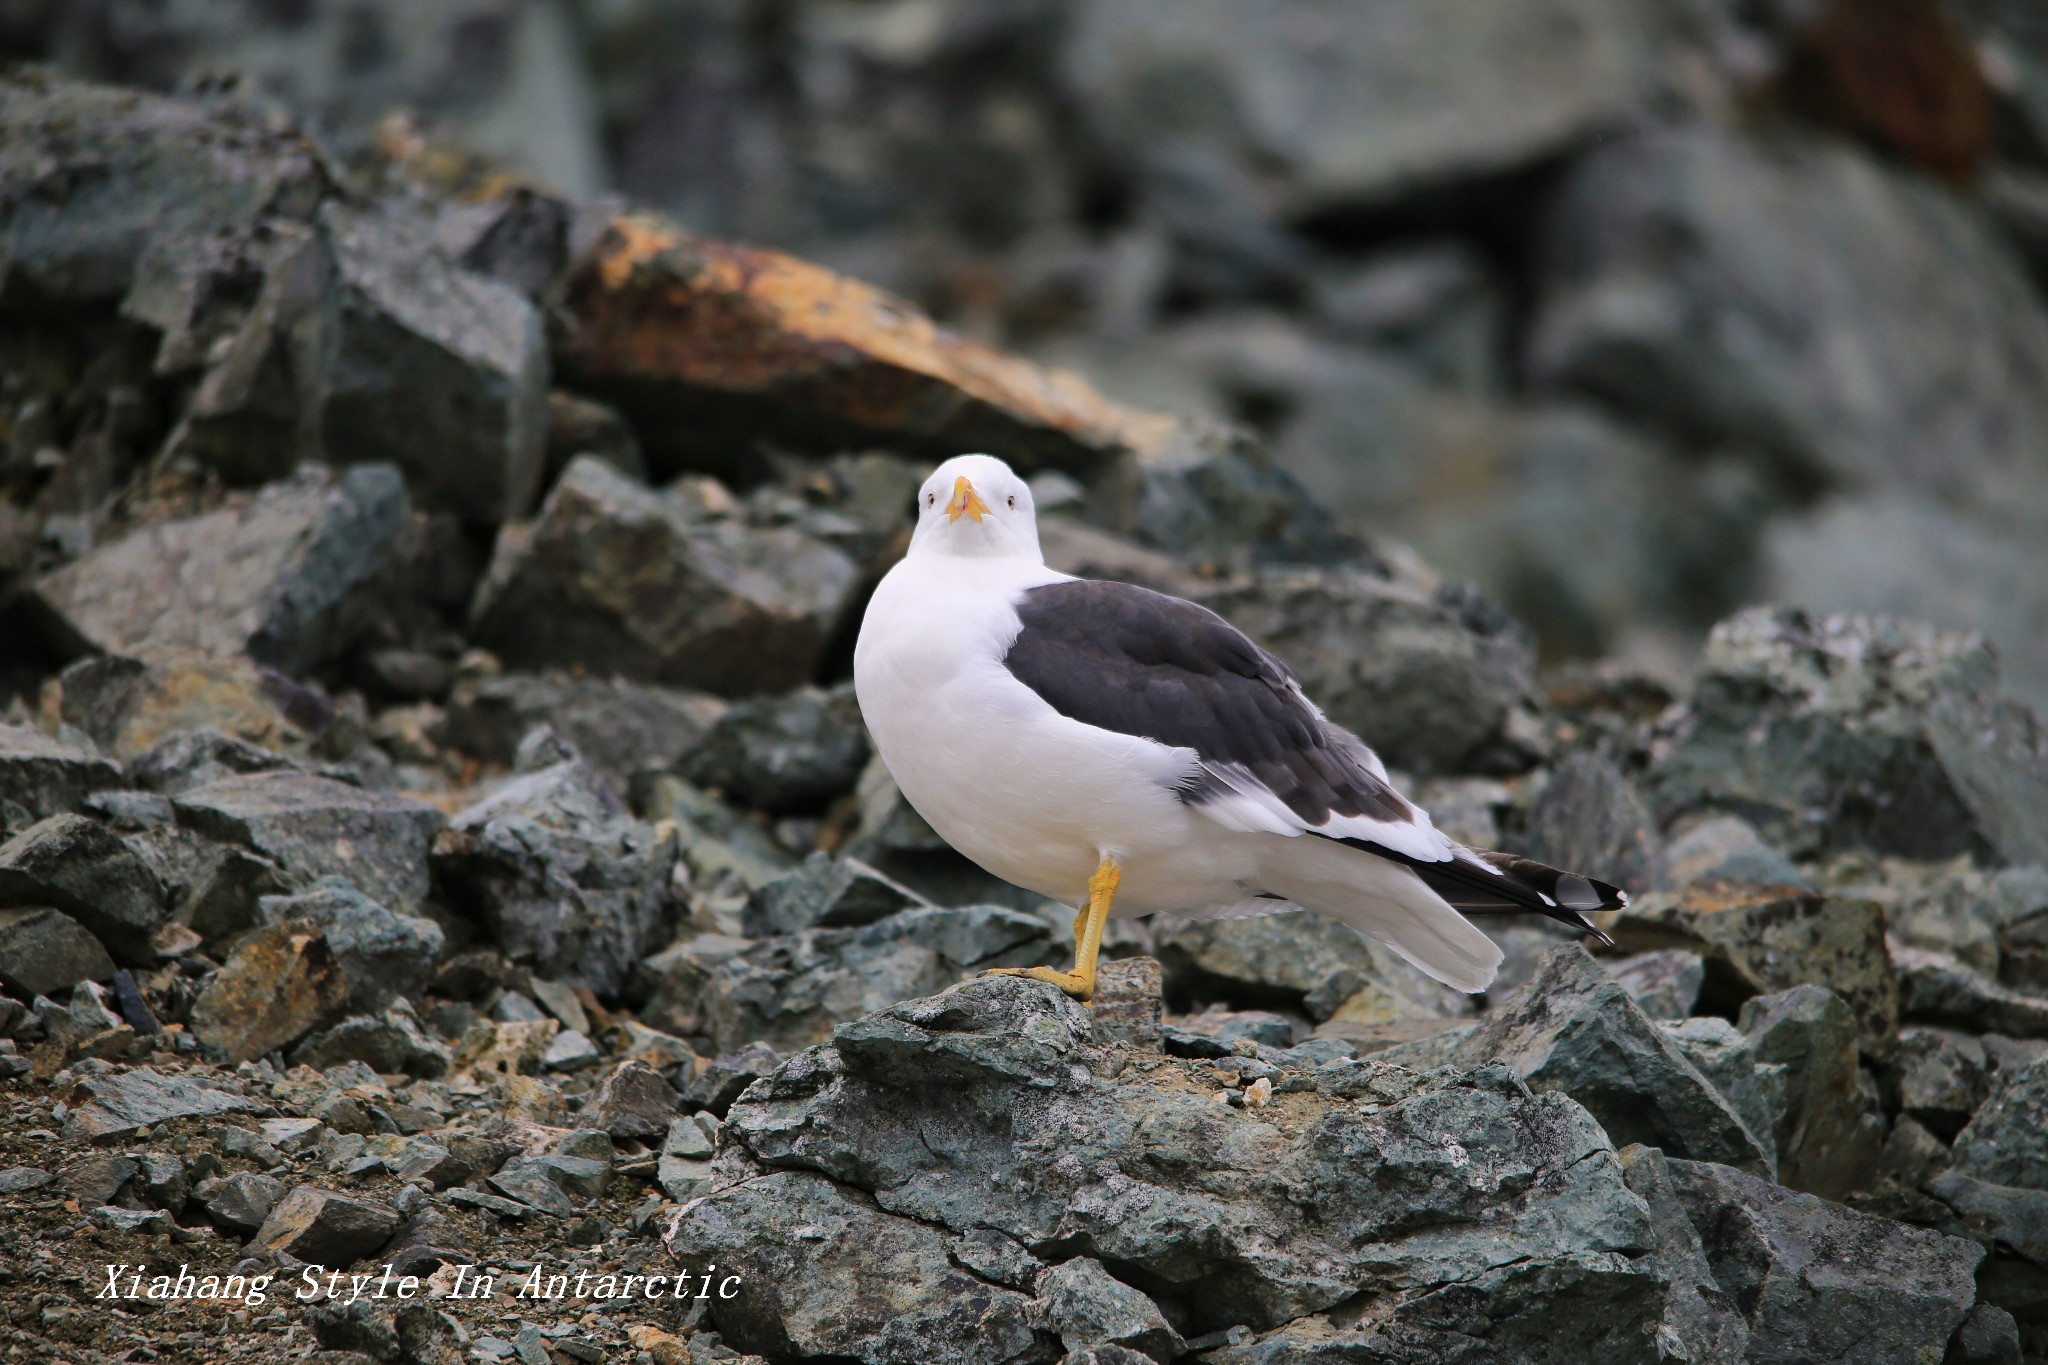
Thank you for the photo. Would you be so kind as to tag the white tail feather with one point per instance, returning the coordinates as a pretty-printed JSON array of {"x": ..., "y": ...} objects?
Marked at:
[{"x": 1384, "y": 901}]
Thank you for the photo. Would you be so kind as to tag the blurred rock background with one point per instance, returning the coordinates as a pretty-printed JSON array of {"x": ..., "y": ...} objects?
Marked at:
[{"x": 1627, "y": 311}]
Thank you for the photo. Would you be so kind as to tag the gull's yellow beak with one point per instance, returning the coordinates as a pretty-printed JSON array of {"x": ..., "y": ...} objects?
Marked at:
[{"x": 966, "y": 502}]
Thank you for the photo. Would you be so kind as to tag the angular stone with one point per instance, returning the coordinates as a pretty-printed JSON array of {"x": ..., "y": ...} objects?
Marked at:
[
  {"x": 241, "y": 1202},
  {"x": 390, "y": 1044},
  {"x": 1816, "y": 1281},
  {"x": 442, "y": 370},
  {"x": 1299, "y": 960},
  {"x": 1727, "y": 848},
  {"x": 313, "y": 827},
  {"x": 1989, "y": 1336},
  {"x": 2006, "y": 1142},
  {"x": 790, "y": 754},
  {"x": 1758, "y": 939},
  {"x": 615, "y": 578},
  {"x": 113, "y": 1105},
  {"x": 1665, "y": 983},
  {"x": 725, "y": 1078},
  {"x": 1942, "y": 1078},
  {"x": 561, "y": 875},
  {"x": 875, "y": 1287},
  {"x": 280, "y": 983},
  {"x": 1435, "y": 682},
  {"x": 291, "y": 578},
  {"x": 632, "y": 1101},
  {"x": 131, "y": 705},
  {"x": 325, "y": 1227},
  {"x": 44, "y": 950},
  {"x": 621, "y": 727},
  {"x": 1699, "y": 1316},
  {"x": 382, "y": 956},
  {"x": 1129, "y": 1004},
  {"x": 84, "y": 869},
  {"x": 1830, "y": 1131},
  {"x": 703, "y": 343},
  {"x": 1590, "y": 819},
  {"x": 1573, "y": 1029},
  {"x": 827, "y": 893},
  {"x": 1084, "y": 1306},
  {"x": 1832, "y": 732},
  {"x": 790, "y": 992},
  {"x": 45, "y": 776}
]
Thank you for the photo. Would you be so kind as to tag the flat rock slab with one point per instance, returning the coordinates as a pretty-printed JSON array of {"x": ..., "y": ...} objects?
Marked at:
[
  {"x": 112, "y": 1106},
  {"x": 314, "y": 827},
  {"x": 699, "y": 340},
  {"x": 290, "y": 576},
  {"x": 43, "y": 776}
]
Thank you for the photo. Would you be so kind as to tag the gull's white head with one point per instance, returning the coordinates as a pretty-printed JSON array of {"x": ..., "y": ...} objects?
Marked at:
[{"x": 974, "y": 505}]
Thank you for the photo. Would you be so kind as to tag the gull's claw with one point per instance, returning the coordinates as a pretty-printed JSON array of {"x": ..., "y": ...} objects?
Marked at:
[{"x": 1073, "y": 983}]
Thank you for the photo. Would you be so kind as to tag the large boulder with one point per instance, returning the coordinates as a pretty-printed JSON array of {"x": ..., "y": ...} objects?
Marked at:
[
  {"x": 616, "y": 578},
  {"x": 84, "y": 869},
  {"x": 621, "y": 727},
  {"x": 292, "y": 576},
  {"x": 315, "y": 827},
  {"x": 990, "y": 1109},
  {"x": 40, "y": 776},
  {"x": 1831, "y": 732}
]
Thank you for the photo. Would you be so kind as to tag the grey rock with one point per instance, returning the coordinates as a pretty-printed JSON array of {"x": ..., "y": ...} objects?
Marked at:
[
  {"x": 604, "y": 574},
  {"x": 313, "y": 827},
  {"x": 1573, "y": 1029},
  {"x": 1434, "y": 681},
  {"x": 881, "y": 1288},
  {"x": 45, "y": 776},
  {"x": 22, "y": 1179},
  {"x": 982, "y": 1108},
  {"x": 382, "y": 955},
  {"x": 1085, "y": 1306},
  {"x": 1727, "y": 848},
  {"x": 1830, "y": 1129},
  {"x": 1129, "y": 1003},
  {"x": 1699, "y": 1316},
  {"x": 1432, "y": 304},
  {"x": 561, "y": 875},
  {"x": 442, "y": 370},
  {"x": 1526, "y": 84},
  {"x": 621, "y": 727},
  {"x": 1814, "y": 728},
  {"x": 1589, "y": 819},
  {"x": 99, "y": 1179},
  {"x": 826, "y": 893},
  {"x": 112, "y": 1106},
  {"x": 325, "y": 1227},
  {"x": 1936, "y": 989},
  {"x": 1942, "y": 1077},
  {"x": 241, "y": 1202},
  {"x": 2006, "y": 1142},
  {"x": 390, "y": 1043},
  {"x": 1666, "y": 983},
  {"x": 786, "y": 755},
  {"x": 193, "y": 758},
  {"x": 553, "y": 1183},
  {"x": 633, "y": 1101},
  {"x": 43, "y": 950},
  {"x": 1715, "y": 336},
  {"x": 725, "y": 1078},
  {"x": 570, "y": 1050},
  {"x": 792, "y": 991},
  {"x": 292, "y": 577},
  {"x": 1988, "y": 1336},
  {"x": 1299, "y": 960},
  {"x": 1213, "y": 1032},
  {"x": 1816, "y": 1281},
  {"x": 1728, "y": 1057}
]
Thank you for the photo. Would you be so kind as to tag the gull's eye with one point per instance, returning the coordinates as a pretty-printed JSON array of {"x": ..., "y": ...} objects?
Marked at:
[
  {"x": 1013, "y": 502},
  {"x": 931, "y": 499}
]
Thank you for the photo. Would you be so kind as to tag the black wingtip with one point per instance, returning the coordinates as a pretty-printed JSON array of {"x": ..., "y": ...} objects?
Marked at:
[{"x": 1596, "y": 931}]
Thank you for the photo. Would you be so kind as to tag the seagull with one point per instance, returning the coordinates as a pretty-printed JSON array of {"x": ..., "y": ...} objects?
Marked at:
[{"x": 1123, "y": 751}]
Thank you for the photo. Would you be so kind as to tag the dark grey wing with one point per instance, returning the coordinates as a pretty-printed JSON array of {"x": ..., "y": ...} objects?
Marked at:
[{"x": 1138, "y": 662}]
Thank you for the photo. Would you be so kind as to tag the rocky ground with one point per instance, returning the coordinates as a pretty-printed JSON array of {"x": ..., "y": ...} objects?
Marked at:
[{"x": 436, "y": 836}]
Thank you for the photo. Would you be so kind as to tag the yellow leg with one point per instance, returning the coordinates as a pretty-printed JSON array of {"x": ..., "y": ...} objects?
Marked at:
[{"x": 1080, "y": 983}]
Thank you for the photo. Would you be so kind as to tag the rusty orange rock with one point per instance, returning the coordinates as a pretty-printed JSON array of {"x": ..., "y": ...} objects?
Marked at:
[
  {"x": 710, "y": 346},
  {"x": 281, "y": 982}
]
